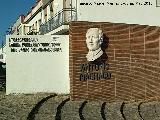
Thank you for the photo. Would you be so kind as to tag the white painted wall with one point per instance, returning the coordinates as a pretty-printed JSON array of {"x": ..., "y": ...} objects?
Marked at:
[
  {"x": 58, "y": 5},
  {"x": 38, "y": 72},
  {"x": 3, "y": 54},
  {"x": 35, "y": 18},
  {"x": 4, "y": 49},
  {"x": 74, "y": 3},
  {"x": 48, "y": 13},
  {"x": 1, "y": 60},
  {"x": 148, "y": 15}
]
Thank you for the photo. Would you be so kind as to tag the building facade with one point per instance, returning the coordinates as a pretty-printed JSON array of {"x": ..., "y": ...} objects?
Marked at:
[
  {"x": 3, "y": 54},
  {"x": 16, "y": 28},
  {"x": 48, "y": 17},
  {"x": 132, "y": 48}
]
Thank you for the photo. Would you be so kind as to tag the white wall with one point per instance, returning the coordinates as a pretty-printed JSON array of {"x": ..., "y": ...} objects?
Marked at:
[
  {"x": 1, "y": 60},
  {"x": 35, "y": 18},
  {"x": 4, "y": 48},
  {"x": 137, "y": 14},
  {"x": 74, "y": 3},
  {"x": 38, "y": 72},
  {"x": 3, "y": 54},
  {"x": 58, "y": 5}
]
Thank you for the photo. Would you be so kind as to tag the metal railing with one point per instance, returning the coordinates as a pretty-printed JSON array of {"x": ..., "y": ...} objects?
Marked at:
[
  {"x": 63, "y": 17},
  {"x": 34, "y": 10},
  {"x": 32, "y": 32}
]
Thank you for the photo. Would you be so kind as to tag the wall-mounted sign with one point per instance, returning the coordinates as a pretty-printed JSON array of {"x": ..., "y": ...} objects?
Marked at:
[{"x": 37, "y": 64}]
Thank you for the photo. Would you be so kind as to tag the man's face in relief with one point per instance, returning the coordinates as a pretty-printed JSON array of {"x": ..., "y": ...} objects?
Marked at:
[{"x": 93, "y": 39}]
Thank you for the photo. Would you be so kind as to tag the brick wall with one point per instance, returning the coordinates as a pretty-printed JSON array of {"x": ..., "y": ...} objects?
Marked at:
[{"x": 133, "y": 57}]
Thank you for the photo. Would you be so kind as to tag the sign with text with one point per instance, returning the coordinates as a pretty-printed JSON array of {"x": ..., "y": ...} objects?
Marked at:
[
  {"x": 37, "y": 64},
  {"x": 125, "y": 11}
]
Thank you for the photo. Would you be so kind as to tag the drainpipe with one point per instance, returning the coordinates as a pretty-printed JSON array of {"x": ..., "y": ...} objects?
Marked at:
[
  {"x": 76, "y": 10},
  {"x": 71, "y": 10}
]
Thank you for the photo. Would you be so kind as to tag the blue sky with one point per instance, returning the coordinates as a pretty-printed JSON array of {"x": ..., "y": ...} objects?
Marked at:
[{"x": 10, "y": 11}]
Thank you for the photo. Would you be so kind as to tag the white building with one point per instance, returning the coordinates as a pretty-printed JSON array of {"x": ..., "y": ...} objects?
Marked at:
[
  {"x": 53, "y": 16},
  {"x": 49, "y": 17},
  {"x": 3, "y": 54},
  {"x": 33, "y": 20},
  {"x": 56, "y": 16},
  {"x": 16, "y": 28}
]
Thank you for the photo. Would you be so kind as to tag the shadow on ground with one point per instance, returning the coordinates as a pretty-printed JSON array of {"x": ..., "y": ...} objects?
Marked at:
[{"x": 44, "y": 106}]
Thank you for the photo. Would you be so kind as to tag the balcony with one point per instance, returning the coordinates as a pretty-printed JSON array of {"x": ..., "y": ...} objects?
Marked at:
[
  {"x": 63, "y": 17},
  {"x": 33, "y": 11},
  {"x": 32, "y": 32}
]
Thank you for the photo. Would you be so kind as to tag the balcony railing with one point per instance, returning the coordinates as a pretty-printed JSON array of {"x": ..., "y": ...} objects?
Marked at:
[
  {"x": 34, "y": 10},
  {"x": 32, "y": 32},
  {"x": 63, "y": 17}
]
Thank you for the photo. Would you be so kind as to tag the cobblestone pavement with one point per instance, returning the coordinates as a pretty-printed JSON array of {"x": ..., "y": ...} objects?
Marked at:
[{"x": 44, "y": 106}]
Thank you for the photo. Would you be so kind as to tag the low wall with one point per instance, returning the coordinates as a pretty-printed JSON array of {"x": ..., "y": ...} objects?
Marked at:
[{"x": 133, "y": 53}]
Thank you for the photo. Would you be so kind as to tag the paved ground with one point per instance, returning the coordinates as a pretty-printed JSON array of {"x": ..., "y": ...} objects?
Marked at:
[
  {"x": 18, "y": 107},
  {"x": 44, "y": 106}
]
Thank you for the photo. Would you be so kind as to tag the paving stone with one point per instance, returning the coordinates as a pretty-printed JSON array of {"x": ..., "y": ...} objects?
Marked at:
[
  {"x": 92, "y": 111},
  {"x": 112, "y": 111},
  {"x": 18, "y": 107},
  {"x": 131, "y": 111},
  {"x": 49, "y": 109},
  {"x": 70, "y": 110},
  {"x": 148, "y": 111}
]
